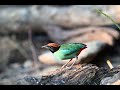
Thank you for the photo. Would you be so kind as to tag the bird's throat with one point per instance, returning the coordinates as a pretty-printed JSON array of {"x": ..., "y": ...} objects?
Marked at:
[{"x": 54, "y": 49}]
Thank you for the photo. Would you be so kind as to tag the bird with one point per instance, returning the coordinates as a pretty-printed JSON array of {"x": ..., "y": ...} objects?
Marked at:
[{"x": 66, "y": 51}]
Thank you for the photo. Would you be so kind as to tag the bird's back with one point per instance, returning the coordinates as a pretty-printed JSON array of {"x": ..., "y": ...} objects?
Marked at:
[
  {"x": 67, "y": 51},
  {"x": 72, "y": 46}
]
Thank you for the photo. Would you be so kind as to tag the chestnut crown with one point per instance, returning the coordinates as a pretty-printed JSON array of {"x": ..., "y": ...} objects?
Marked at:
[{"x": 53, "y": 47}]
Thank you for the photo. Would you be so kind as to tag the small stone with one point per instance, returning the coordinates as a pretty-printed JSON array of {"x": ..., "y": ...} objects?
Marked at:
[
  {"x": 110, "y": 79},
  {"x": 29, "y": 80},
  {"x": 28, "y": 63}
]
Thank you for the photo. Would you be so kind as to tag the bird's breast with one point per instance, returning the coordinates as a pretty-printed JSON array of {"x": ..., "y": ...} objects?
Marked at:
[{"x": 64, "y": 56}]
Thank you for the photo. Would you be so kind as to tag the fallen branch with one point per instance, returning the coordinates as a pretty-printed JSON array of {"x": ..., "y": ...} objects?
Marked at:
[{"x": 85, "y": 74}]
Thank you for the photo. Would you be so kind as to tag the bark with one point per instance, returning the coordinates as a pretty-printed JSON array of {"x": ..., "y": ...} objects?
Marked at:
[{"x": 85, "y": 74}]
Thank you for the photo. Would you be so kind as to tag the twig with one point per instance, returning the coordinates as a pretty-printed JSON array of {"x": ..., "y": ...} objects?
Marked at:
[
  {"x": 34, "y": 55},
  {"x": 109, "y": 18},
  {"x": 109, "y": 64}
]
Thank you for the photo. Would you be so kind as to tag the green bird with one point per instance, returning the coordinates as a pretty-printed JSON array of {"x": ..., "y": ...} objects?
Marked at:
[{"x": 66, "y": 51}]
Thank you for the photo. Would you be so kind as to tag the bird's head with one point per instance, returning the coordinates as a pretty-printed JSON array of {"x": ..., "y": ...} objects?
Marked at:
[{"x": 53, "y": 47}]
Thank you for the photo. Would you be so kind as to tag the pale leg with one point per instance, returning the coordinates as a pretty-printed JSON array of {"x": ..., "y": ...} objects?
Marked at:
[
  {"x": 73, "y": 63},
  {"x": 65, "y": 64}
]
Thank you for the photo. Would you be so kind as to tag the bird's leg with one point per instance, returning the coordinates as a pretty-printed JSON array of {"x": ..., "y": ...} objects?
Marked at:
[
  {"x": 73, "y": 63},
  {"x": 65, "y": 64}
]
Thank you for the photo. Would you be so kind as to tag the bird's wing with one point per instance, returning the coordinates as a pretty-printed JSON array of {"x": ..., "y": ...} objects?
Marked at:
[{"x": 68, "y": 49}]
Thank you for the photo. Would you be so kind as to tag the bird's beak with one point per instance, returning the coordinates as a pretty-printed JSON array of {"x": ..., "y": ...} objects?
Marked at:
[{"x": 45, "y": 46}]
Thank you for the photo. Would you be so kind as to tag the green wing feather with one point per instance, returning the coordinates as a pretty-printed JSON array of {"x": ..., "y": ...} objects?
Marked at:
[{"x": 68, "y": 49}]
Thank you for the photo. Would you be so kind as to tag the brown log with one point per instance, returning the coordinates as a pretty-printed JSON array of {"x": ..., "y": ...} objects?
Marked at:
[{"x": 85, "y": 74}]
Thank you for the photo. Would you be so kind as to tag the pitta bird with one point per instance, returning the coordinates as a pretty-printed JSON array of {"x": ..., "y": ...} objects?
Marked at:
[{"x": 66, "y": 51}]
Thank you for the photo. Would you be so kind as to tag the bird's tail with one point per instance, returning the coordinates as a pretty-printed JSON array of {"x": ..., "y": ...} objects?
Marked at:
[{"x": 84, "y": 46}]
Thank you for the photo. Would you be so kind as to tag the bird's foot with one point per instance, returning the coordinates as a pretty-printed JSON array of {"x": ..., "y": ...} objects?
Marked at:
[
  {"x": 64, "y": 68},
  {"x": 69, "y": 68}
]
